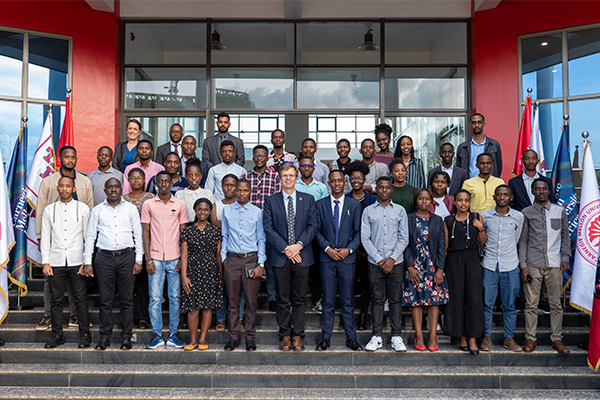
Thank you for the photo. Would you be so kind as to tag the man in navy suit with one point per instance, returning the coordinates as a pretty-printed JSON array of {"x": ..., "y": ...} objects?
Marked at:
[
  {"x": 290, "y": 223},
  {"x": 520, "y": 185},
  {"x": 338, "y": 237}
]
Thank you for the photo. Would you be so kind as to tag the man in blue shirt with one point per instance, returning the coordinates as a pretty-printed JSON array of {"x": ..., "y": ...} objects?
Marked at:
[
  {"x": 467, "y": 152},
  {"x": 243, "y": 255}
]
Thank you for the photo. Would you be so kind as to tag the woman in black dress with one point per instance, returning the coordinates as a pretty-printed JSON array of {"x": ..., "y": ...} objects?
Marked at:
[
  {"x": 463, "y": 316},
  {"x": 201, "y": 272}
]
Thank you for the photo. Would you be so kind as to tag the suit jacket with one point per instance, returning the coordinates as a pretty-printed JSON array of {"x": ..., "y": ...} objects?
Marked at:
[
  {"x": 437, "y": 241},
  {"x": 520, "y": 197},
  {"x": 276, "y": 228},
  {"x": 463, "y": 155},
  {"x": 211, "y": 150},
  {"x": 459, "y": 176},
  {"x": 349, "y": 228},
  {"x": 118, "y": 161},
  {"x": 161, "y": 153}
]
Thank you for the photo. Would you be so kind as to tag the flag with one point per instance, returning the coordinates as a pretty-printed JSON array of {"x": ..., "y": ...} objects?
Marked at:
[
  {"x": 564, "y": 191},
  {"x": 588, "y": 238},
  {"x": 7, "y": 241},
  {"x": 17, "y": 193},
  {"x": 43, "y": 164},
  {"x": 536, "y": 142},
  {"x": 594, "y": 345},
  {"x": 524, "y": 137},
  {"x": 66, "y": 136}
]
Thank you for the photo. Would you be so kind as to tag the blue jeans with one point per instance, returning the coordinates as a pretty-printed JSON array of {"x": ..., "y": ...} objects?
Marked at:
[
  {"x": 509, "y": 290},
  {"x": 222, "y": 312},
  {"x": 156, "y": 283}
]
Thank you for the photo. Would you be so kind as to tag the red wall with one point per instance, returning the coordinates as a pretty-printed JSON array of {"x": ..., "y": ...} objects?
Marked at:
[
  {"x": 495, "y": 54},
  {"x": 95, "y": 75}
]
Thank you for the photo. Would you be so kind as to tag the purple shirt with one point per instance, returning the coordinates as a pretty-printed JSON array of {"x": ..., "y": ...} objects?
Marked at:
[{"x": 151, "y": 170}]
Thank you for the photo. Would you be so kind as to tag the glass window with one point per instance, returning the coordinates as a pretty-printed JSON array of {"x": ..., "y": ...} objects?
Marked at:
[
  {"x": 165, "y": 43},
  {"x": 48, "y": 68},
  {"x": 425, "y": 43},
  {"x": 10, "y": 125},
  {"x": 261, "y": 43},
  {"x": 156, "y": 129},
  {"x": 11, "y": 63},
  {"x": 167, "y": 88},
  {"x": 551, "y": 119},
  {"x": 542, "y": 66},
  {"x": 37, "y": 114},
  {"x": 428, "y": 133},
  {"x": 321, "y": 43},
  {"x": 584, "y": 117},
  {"x": 338, "y": 88},
  {"x": 425, "y": 88},
  {"x": 266, "y": 88},
  {"x": 584, "y": 61}
]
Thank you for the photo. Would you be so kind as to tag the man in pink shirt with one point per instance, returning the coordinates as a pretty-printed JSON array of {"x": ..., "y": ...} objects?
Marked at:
[
  {"x": 163, "y": 219},
  {"x": 144, "y": 152}
]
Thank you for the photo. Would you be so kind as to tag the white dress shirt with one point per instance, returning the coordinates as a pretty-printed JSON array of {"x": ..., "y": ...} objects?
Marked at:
[
  {"x": 190, "y": 197},
  {"x": 117, "y": 228},
  {"x": 63, "y": 233},
  {"x": 215, "y": 177}
]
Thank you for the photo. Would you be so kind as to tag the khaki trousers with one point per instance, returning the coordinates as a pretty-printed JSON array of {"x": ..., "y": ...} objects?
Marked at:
[{"x": 553, "y": 279}]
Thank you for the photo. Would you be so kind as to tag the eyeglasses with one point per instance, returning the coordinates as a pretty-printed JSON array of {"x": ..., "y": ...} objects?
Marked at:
[
  {"x": 307, "y": 165},
  {"x": 259, "y": 156},
  {"x": 136, "y": 178},
  {"x": 477, "y": 122},
  {"x": 356, "y": 179},
  {"x": 175, "y": 131}
]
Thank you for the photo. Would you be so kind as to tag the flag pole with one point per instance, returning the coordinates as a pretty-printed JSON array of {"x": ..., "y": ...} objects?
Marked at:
[{"x": 24, "y": 120}]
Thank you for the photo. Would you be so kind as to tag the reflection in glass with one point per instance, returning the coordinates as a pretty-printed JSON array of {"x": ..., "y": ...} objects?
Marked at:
[
  {"x": 428, "y": 134},
  {"x": 551, "y": 119},
  {"x": 584, "y": 117},
  {"x": 425, "y": 87},
  {"x": 338, "y": 88},
  {"x": 165, "y": 43},
  {"x": 48, "y": 68},
  {"x": 542, "y": 66},
  {"x": 167, "y": 88},
  {"x": 425, "y": 43},
  {"x": 321, "y": 43},
  {"x": 11, "y": 63},
  {"x": 266, "y": 88},
  {"x": 10, "y": 125},
  {"x": 156, "y": 129},
  {"x": 261, "y": 43},
  {"x": 584, "y": 61},
  {"x": 37, "y": 114}
]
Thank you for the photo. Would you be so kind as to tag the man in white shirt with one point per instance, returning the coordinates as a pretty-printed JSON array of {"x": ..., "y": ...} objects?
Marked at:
[
  {"x": 115, "y": 223},
  {"x": 63, "y": 231},
  {"x": 216, "y": 173}
]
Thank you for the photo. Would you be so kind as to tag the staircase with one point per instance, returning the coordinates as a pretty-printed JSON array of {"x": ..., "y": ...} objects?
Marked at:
[{"x": 32, "y": 372}]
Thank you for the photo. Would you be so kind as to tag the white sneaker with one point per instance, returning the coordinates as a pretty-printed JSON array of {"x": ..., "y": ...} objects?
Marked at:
[
  {"x": 386, "y": 306},
  {"x": 375, "y": 343},
  {"x": 398, "y": 343}
]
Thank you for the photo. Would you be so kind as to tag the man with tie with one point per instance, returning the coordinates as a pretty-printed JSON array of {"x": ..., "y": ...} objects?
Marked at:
[
  {"x": 338, "y": 237},
  {"x": 175, "y": 134},
  {"x": 211, "y": 147},
  {"x": 290, "y": 224}
]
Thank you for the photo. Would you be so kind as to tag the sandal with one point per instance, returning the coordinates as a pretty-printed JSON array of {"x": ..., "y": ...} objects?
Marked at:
[
  {"x": 420, "y": 348},
  {"x": 202, "y": 346},
  {"x": 190, "y": 346},
  {"x": 432, "y": 348}
]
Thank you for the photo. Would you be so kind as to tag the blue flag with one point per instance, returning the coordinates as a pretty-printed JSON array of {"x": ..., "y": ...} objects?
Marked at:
[
  {"x": 17, "y": 193},
  {"x": 564, "y": 186}
]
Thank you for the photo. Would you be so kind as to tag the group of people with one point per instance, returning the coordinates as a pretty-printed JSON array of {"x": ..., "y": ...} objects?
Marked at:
[{"x": 376, "y": 226}]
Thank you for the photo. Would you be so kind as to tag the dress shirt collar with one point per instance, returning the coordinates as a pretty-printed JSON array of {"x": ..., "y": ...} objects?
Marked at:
[
  {"x": 285, "y": 195},
  {"x": 246, "y": 206},
  {"x": 473, "y": 142},
  {"x": 539, "y": 206},
  {"x": 508, "y": 214},
  {"x": 156, "y": 198},
  {"x": 390, "y": 204},
  {"x": 224, "y": 136},
  {"x": 444, "y": 169},
  {"x": 341, "y": 200},
  {"x": 526, "y": 177},
  {"x": 267, "y": 171},
  {"x": 117, "y": 206}
]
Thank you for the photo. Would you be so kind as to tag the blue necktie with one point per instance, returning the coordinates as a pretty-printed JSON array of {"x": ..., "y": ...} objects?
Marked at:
[
  {"x": 291, "y": 221},
  {"x": 336, "y": 221}
]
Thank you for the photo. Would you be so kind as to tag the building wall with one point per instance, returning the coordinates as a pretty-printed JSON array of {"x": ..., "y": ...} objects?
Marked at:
[
  {"x": 96, "y": 74},
  {"x": 495, "y": 55}
]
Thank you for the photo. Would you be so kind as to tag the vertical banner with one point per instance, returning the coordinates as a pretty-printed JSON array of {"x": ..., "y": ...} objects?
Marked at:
[{"x": 7, "y": 241}]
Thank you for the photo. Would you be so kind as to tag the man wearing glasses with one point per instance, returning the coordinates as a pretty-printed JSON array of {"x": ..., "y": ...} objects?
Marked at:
[
  {"x": 175, "y": 134},
  {"x": 467, "y": 152}
]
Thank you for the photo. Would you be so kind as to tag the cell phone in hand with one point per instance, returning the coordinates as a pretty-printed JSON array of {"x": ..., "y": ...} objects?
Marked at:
[{"x": 529, "y": 278}]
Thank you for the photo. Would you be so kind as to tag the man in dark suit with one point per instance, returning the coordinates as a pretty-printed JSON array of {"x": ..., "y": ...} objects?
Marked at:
[
  {"x": 212, "y": 145},
  {"x": 457, "y": 175},
  {"x": 338, "y": 237},
  {"x": 175, "y": 133},
  {"x": 520, "y": 185},
  {"x": 467, "y": 152},
  {"x": 290, "y": 223}
]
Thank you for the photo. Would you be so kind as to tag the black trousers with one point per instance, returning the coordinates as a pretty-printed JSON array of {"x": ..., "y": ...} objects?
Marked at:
[
  {"x": 110, "y": 270},
  {"x": 361, "y": 283},
  {"x": 141, "y": 296},
  {"x": 291, "y": 284},
  {"x": 58, "y": 283},
  {"x": 316, "y": 286}
]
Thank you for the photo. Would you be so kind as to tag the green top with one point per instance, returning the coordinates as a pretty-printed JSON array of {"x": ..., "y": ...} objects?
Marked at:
[{"x": 405, "y": 196}]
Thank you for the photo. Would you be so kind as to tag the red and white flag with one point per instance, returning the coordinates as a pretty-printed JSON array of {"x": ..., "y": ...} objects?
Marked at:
[
  {"x": 536, "y": 142},
  {"x": 524, "y": 138}
]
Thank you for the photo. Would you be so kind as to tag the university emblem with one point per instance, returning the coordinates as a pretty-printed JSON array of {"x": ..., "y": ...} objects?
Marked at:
[{"x": 588, "y": 235}]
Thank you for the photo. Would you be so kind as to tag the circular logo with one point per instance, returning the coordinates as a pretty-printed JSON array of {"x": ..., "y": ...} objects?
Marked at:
[{"x": 588, "y": 232}]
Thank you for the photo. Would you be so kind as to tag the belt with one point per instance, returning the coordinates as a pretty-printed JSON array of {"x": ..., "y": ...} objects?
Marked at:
[
  {"x": 116, "y": 253},
  {"x": 242, "y": 255}
]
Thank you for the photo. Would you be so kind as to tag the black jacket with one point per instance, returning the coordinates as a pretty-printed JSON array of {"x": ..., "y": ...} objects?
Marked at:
[
  {"x": 437, "y": 241},
  {"x": 463, "y": 155},
  {"x": 118, "y": 160},
  {"x": 520, "y": 197}
]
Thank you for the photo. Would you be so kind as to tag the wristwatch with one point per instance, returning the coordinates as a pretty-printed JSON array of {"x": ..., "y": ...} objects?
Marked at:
[
  {"x": 261, "y": 265},
  {"x": 350, "y": 251},
  {"x": 482, "y": 230},
  {"x": 138, "y": 262}
]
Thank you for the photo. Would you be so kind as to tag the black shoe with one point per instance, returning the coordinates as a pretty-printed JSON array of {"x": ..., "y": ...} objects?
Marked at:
[
  {"x": 143, "y": 325},
  {"x": 353, "y": 344},
  {"x": 474, "y": 352},
  {"x": 126, "y": 344},
  {"x": 362, "y": 322},
  {"x": 54, "y": 341},
  {"x": 250, "y": 345},
  {"x": 85, "y": 341},
  {"x": 273, "y": 306},
  {"x": 463, "y": 348},
  {"x": 103, "y": 344},
  {"x": 231, "y": 345},
  {"x": 1, "y": 342},
  {"x": 323, "y": 344}
]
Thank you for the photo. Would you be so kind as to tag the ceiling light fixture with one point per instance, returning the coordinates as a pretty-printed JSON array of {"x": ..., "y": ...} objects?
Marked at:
[
  {"x": 215, "y": 43},
  {"x": 368, "y": 45},
  {"x": 544, "y": 43}
]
